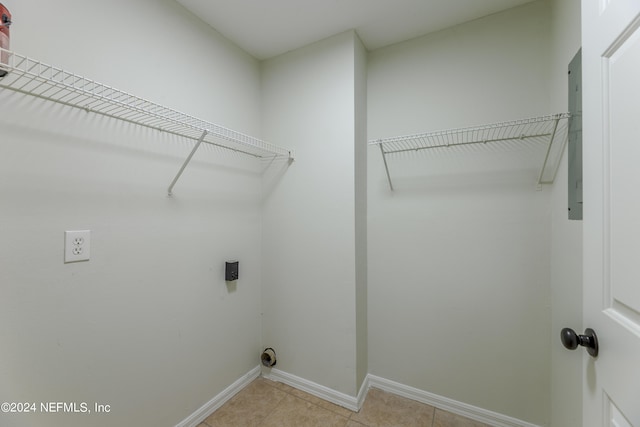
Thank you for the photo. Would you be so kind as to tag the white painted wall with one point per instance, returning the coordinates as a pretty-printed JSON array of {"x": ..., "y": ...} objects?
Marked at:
[
  {"x": 459, "y": 264},
  {"x": 362, "y": 333},
  {"x": 309, "y": 213},
  {"x": 458, "y": 257},
  {"x": 566, "y": 236},
  {"x": 147, "y": 326}
]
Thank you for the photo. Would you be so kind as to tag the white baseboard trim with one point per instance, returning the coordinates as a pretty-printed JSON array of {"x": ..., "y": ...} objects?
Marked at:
[
  {"x": 203, "y": 412},
  {"x": 444, "y": 403},
  {"x": 362, "y": 394},
  {"x": 315, "y": 389},
  {"x": 353, "y": 403}
]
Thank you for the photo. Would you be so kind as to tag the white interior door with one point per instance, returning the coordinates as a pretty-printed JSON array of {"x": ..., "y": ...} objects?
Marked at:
[{"x": 611, "y": 144}]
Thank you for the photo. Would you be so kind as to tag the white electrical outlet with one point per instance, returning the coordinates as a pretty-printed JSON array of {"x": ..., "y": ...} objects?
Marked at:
[{"x": 77, "y": 245}]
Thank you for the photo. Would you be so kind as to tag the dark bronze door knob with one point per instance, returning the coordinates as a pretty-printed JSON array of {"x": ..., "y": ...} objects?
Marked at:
[{"x": 571, "y": 340}]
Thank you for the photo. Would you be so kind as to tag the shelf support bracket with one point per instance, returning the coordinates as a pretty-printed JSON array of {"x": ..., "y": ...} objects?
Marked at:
[
  {"x": 186, "y": 162},
  {"x": 546, "y": 157},
  {"x": 386, "y": 167}
]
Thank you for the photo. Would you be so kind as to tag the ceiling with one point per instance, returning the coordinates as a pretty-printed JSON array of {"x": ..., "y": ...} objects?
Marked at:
[{"x": 267, "y": 28}]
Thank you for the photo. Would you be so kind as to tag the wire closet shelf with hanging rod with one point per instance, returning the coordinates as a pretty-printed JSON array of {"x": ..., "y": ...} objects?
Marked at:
[
  {"x": 31, "y": 77},
  {"x": 550, "y": 129}
]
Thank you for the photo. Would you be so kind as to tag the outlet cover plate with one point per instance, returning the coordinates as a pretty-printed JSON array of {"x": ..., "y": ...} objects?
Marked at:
[{"x": 77, "y": 246}]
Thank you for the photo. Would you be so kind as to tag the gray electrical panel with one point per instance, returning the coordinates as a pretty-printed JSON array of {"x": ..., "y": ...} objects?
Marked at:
[{"x": 575, "y": 137}]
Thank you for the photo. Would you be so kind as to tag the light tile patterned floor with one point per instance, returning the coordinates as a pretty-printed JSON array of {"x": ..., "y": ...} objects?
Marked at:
[{"x": 273, "y": 404}]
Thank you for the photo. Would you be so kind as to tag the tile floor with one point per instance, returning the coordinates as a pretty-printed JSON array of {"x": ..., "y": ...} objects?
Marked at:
[{"x": 273, "y": 404}]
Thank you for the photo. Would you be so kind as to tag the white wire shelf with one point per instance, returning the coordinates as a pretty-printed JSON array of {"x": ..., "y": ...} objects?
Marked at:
[
  {"x": 31, "y": 77},
  {"x": 550, "y": 129}
]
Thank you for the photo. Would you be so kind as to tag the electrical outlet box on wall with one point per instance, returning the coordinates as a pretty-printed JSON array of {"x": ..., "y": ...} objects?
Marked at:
[{"x": 77, "y": 246}]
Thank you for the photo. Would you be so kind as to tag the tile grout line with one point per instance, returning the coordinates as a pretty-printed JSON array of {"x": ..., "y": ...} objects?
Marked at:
[
  {"x": 308, "y": 401},
  {"x": 263, "y": 418},
  {"x": 274, "y": 406}
]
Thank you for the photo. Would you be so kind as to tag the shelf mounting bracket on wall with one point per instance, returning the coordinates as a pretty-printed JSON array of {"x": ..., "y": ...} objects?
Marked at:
[
  {"x": 386, "y": 166},
  {"x": 541, "y": 129},
  {"x": 186, "y": 162},
  {"x": 554, "y": 123}
]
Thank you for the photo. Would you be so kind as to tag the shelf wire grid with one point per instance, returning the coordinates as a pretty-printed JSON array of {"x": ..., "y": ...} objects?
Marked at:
[
  {"x": 551, "y": 129},
  {"x": 536, "y": 127},
  {"x": 32, "y": 77}
]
